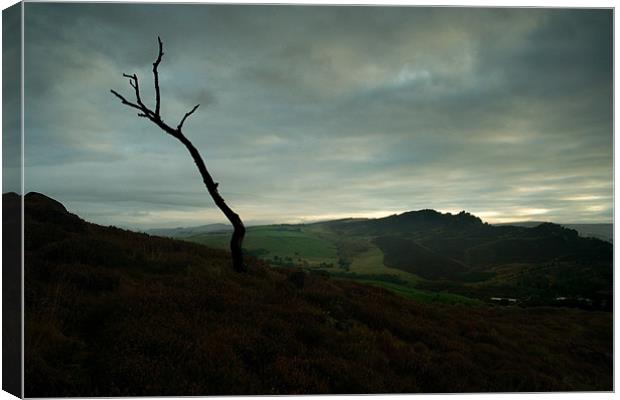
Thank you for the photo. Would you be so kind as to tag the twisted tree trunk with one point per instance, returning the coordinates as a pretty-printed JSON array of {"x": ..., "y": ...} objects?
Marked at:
[
  {"x": 236, "y": 240},
  {"x": 239, "y": 230}
]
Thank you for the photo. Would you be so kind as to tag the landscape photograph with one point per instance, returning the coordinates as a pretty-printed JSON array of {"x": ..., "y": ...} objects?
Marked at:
[{"x": 302, "y": 199}]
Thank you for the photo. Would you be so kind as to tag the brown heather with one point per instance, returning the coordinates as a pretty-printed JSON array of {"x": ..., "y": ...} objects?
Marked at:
[{"x": 111, "y": 312}]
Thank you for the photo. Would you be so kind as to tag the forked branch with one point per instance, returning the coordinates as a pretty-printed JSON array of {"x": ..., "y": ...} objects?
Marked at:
[{"x": 187, "y": 114}]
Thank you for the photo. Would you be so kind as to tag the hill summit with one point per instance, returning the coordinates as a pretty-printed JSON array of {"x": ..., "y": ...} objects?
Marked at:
[{"x": 462, "y": 247}]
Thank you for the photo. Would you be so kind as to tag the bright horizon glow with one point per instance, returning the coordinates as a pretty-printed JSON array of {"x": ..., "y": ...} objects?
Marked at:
[{"x": 175, "y": 219}]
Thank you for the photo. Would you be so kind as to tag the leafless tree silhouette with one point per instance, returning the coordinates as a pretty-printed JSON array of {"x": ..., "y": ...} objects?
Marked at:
[{"x": 155, "y": 117}]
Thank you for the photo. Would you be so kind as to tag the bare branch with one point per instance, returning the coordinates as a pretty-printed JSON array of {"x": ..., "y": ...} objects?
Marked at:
[
  {"x": 133, "y": 82},
  {"x": 131, "y": 77},
  {"x": 156, "y": 76},
  {"x": 187, "y": 114},
  {"x": 125, "y": 101},
  {"x": 137, "y": 89}
]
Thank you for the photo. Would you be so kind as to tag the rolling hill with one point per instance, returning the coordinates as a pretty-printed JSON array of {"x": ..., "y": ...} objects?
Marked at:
[
  {"x": 599, "y": 231},
  {"x": 427, "y": 255},
  {"x": 190, "y": 231},
  {"x": 111, "y": 312}
]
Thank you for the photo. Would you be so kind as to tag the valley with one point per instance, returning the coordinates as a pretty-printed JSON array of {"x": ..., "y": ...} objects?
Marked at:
[{"x": 434, "y": 257}]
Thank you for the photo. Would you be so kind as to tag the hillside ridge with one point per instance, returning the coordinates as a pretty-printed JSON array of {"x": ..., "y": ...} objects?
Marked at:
[{"x": 112, "y": 312}]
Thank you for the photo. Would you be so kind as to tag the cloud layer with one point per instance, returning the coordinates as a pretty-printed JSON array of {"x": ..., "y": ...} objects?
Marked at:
[{"x": 321, "y": 112}]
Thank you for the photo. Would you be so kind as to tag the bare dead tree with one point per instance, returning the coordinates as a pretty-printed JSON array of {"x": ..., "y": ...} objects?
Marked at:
[{"x": 155, "y": 117}]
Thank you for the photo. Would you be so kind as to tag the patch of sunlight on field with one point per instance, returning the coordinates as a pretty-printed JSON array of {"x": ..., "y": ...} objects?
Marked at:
[{"x": 371, "y": 262}]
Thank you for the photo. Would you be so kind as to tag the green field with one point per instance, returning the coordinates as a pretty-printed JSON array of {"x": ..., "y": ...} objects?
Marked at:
[
  {"x": 315, "y": 247},
  {"x": 292, "y": 244},
  {"x": 309, "y": 246}
]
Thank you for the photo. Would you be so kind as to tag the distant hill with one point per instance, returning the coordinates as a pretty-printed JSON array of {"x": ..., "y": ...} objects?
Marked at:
[
  {"x": 111, "y": 312},
  {"x": 599, "y": 231},
  {"x": 412, "y": 222},
  {"x": 424, "y": 251},
  {"x": 465, "y": 239},
  {"x": 417, "y": 220},
  {"x": 189, "y": 231},
  {"x": 531, "y": 264}
]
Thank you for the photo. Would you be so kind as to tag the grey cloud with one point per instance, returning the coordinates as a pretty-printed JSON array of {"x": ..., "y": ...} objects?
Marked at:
[
  {"x": 364, "y": 109},
  {"x": 11, "y": 107}
]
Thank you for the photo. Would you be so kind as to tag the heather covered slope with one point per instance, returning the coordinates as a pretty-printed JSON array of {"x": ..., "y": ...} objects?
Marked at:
[{"x": 112, "y": 312}]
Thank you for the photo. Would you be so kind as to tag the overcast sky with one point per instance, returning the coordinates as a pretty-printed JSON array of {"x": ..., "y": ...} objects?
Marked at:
[{"x": 322, "y": 112}]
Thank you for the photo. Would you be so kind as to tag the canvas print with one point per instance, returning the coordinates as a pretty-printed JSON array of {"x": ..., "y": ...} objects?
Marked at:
[{"x": 283, "y": 199}]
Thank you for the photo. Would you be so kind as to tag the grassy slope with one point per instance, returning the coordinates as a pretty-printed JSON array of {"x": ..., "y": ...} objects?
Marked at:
[
  {"x": 314, "y": 246},
  {"x": 536, "y": 266},
  {"x": 111, "y": 312},
  {"x": 278, "y": 241}
]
